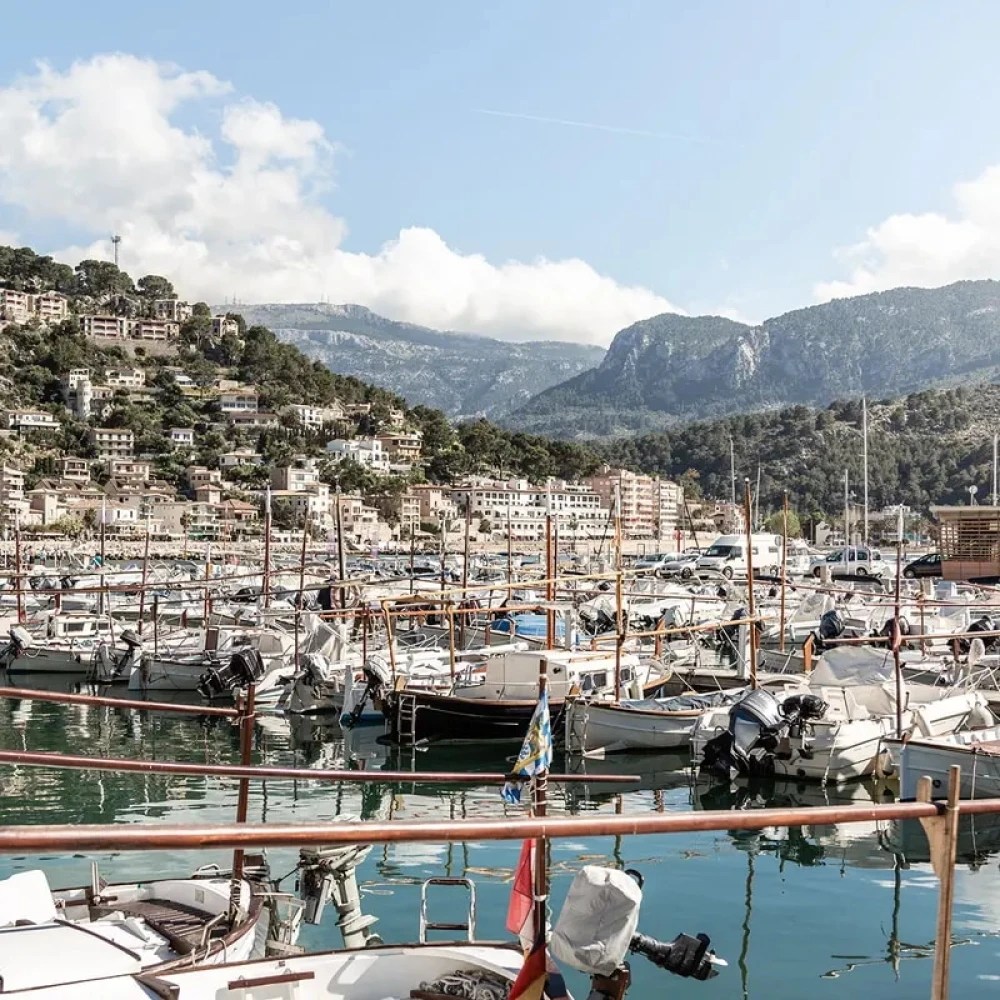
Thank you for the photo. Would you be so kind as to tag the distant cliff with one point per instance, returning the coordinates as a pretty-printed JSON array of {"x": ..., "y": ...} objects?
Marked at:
[
  {"x": 673, "y": 368},
  {"x": 462, "y": 374}
]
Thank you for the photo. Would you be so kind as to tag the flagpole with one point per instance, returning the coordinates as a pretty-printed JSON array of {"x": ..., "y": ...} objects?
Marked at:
[{"x": 540, "y": 802}]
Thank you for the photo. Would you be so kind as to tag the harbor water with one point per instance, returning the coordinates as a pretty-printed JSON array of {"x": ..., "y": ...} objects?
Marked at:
[{"x": 822, "y": 912}]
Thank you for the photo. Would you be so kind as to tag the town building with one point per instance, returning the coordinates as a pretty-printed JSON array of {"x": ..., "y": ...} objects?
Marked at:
[
  {"x": 114, "y": 327},
  {"x": 173, "y": 310},
  {"x": 75, "y": 470},
  {"x": 239, "y": 459},
  {"x": 253, "y": 420},
  {"x": 314, "y": 417},
  {"x": 29, "y": 421},
  {"x": 239, "y": 401},
  {"x": 199, "y": 475},
  {"x": 161, "y": 330},
  {"x": 524, "y": 509},
  {"x": 402, "y": 448},
  {"x": 367, "y": 452},
  {"x": 434, "y": 503},
  {"x": 112, "y": 442},
  {"x": 650, "y": 506},
  {"x": 15, "y": 306},
  {"x": 182, "y": 437},
  {"x": 129, "y": 470},
  {"x": 297, "y": 476},
  {"x": 51, "y": 307},
  {"x": 223, "y": 326},
  {"x": 125, "y": 378}
]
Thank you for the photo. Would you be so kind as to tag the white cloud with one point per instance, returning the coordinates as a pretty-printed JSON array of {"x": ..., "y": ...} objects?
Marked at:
[
  {"x": 928, "y": 249},
  {"x": 102, "y": 146}
]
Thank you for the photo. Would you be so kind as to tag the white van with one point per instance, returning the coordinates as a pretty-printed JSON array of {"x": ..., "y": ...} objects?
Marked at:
[{"x": 728, "y": 555}]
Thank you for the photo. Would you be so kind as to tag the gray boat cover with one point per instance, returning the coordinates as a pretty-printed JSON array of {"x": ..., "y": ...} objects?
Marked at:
[
  {"x": 598, "y": 920},
  {"x": 686, "y": 702}
]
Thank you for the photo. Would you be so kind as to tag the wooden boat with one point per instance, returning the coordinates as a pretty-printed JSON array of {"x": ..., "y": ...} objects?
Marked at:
[
  {"x": 500, "y": 706},
  {"x": 646, "y": 724},
  {"x": 976, "y": 751}
]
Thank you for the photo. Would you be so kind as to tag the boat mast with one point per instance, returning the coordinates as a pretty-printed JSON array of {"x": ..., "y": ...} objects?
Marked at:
[
  {"x": 784, "y": 569},
  {"x": 267, "y": 548},
  {"x": 847, "y": 517},
  {"x": 994, "y": 500},
  {"x": 619, "y": 599},
  {"x": 897, "y": 638},
  {"x": 752, "y": 627},
  {"x": 864, "y": 424}
]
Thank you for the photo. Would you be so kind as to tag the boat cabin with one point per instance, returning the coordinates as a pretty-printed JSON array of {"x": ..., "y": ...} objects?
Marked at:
[{"x": 514, "y": 675}]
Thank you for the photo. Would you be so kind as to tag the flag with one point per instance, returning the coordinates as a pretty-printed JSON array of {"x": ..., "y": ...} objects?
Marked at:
[
  {"x": 895, "y": 634},
  {"x": 530, "y": 982},
  {"x": 536, "y": 752},
  {"x": 522, "y": 897}
]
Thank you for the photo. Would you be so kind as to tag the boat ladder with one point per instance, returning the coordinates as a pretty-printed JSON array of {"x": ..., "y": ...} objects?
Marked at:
[
  {"x": 469, "y": 927},
  {"x": 406, "y": 719}
]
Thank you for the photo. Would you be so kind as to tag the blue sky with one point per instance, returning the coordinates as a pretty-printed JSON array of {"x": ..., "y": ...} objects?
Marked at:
[{"x": 773, "y": 134}]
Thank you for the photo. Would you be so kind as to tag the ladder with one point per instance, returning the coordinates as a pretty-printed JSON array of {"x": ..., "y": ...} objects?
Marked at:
[
  {"x": 469, "y": 927},
  {"x": 406, "y": 719}
]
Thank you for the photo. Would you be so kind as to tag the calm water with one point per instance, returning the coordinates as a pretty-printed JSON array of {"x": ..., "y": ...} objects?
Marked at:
[{"x": 823, "y": 912}]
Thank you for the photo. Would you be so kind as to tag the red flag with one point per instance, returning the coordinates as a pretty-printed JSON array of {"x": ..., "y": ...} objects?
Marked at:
[
  {"x": 522, "y": 894},
  {"x": 530, "y": 982},
  {"x": 895, "y": 635}
]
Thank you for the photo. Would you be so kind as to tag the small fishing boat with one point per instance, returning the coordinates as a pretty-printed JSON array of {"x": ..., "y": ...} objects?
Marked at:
[
  {"x": 977, "y": 752},
  {"x": 499, "y": 706},
  {"x": 644, "y": 724}
]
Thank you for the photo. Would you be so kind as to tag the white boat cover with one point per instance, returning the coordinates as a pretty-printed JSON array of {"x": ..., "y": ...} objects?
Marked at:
[
  {"x": 598, "y": 920},
  {"x": 848, "y": 666},
  {"x": 26, "y": 896}
]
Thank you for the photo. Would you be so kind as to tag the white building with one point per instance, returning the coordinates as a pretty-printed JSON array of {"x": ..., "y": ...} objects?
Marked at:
[
  {"x": 242, "y": 401},
  {"x": 182, "y": 437},
  {"x": 125, "y": 378},
  {"x": 113, "y": 442},
  {"x": 314, "y": 417},
  {"x": 28, "y": 421},
  {"x": 222, "y": 327},
  {"x": 116, "y": 327},
  {"x": 578, "y": 510},
  {"x": 365, "y": 451},
  {"x": 239, "y": 458},
  {"x": 172, "y": 309}
]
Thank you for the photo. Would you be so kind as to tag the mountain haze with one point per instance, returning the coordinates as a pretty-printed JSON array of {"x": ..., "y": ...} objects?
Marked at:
[
  {"x": 462, "y": 374},
  {"x": 672, "y": 368}
]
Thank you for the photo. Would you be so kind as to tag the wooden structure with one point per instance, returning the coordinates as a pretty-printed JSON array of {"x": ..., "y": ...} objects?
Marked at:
[{"x": 969, "y": 542}]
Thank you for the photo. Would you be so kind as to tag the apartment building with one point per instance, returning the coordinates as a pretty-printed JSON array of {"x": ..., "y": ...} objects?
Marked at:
[
  {"x": 15, "y": 307},
  {"x": 297, "y": 476},
  {"x": 199, "y": 475},
  {"x": 51, "y": 307},
  {"x": 253, "y": 419},
  {"x": 650, "y": 506},
  {"x": 402, "y": 448},
  {"x": 29, "y": 421},
  {"x": 112, "y": 442},
  {"x": 116, "y": 327},
  {"x": 579, "y": 511},
  {"x": 239, "y": 458},
  {"x": 129, "y": 470},
  {"x": 161, "y": 330},
  {"x": 75, "y": 470},
  {"x": 434, "y": 502}
]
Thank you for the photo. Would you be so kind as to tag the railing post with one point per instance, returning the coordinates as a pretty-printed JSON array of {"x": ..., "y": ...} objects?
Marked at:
[{"x": 942, "y": 837}]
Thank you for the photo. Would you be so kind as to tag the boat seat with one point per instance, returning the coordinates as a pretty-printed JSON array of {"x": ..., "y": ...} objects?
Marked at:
[{"x": 182, "y": 926}]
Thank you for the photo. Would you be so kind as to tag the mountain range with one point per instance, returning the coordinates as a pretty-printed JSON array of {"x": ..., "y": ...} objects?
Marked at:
[
  {"x": 672, "y": 368},
  {"x": 465, "y": 375}
]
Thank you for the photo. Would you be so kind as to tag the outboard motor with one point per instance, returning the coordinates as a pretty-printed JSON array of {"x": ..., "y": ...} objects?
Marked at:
[
  {"x": 378, "y": 680},
  {"x": 984, "y": 624},
  {"x": 109, "y": 666},
  {"x": 831, "y": 626},
  {"x": 598, "y": 927},
  {"x": 757, "y": 723},
  {"x": 19, "y": 640},
  {"x": 888, "y": 628},
  {"x": 244, "y": 668}
]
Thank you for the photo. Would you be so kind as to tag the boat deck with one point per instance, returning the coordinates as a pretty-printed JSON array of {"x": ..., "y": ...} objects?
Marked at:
[{"x": 183, "y": 926}]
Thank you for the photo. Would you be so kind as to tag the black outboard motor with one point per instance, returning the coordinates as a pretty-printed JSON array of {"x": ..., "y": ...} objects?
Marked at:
[
  {"x": 984, "y": 624},
  {"x": 378, "y": 680},
  {"x": 831, "y": 626},
  {"x": 19, "y": 641},
  {"x": 888, "y": 628},
  {"x": 244, "y": 668},
  {"x": 757, "y": 723}
]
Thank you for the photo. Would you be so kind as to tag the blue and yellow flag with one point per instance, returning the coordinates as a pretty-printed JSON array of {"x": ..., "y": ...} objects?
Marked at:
[{"x": 536, "y": 752}]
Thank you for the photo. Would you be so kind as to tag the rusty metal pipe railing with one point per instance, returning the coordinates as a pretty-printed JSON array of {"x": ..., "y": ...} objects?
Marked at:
[
  {"x": 63, "y": 698},
  {"x": 127, "y": 837},
  {"x": 30, "y": 758}
]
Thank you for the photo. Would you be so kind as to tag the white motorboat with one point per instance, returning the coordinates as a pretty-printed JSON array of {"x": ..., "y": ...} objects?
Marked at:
[
  {"x": 102, "y": 930},
  {"x": 832, "y": 726},
  {"x": 977, "y": 752},
  {"x": 645, "y": 724}
]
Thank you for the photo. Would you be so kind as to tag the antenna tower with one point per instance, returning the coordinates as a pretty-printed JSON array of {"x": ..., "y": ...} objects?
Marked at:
[{"x": 116, "y": 241}]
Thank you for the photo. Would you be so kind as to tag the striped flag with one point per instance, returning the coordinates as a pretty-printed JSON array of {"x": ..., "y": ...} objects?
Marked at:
[
  {"x": 530, "y": 982},
  {"x": 522, "y": 897},
  {"x": 536, "y": 752}
]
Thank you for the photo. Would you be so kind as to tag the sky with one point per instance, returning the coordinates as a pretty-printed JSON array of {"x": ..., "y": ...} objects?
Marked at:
[{"x": 527, "y": 170}]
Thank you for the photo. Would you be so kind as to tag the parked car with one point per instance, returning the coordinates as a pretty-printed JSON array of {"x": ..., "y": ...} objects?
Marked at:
[
  {"x": 924, "y": 566},
  {"x": 853, "y": 561},
  {"x": 683, "y": 566},
  {"x": 656, "y": 562}
]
